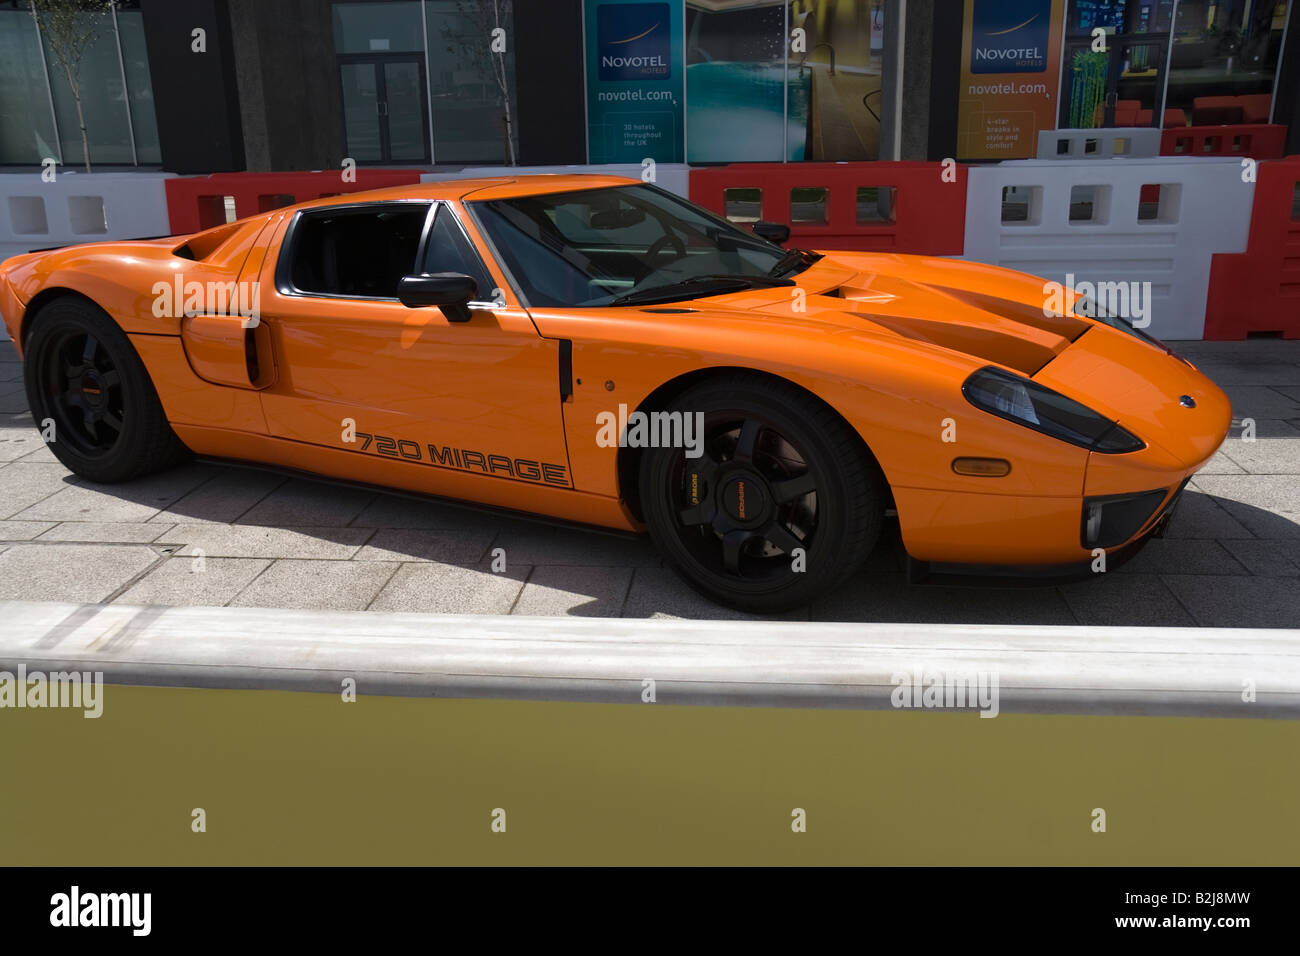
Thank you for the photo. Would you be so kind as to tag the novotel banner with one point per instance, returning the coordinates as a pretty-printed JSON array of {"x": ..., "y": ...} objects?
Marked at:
[
  {"x": 635, "y": 81},
  {"x": 1010, "y": 76}
]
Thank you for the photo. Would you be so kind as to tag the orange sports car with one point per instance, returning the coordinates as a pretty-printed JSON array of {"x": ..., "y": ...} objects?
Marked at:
[{"x": 599, "y": 350}]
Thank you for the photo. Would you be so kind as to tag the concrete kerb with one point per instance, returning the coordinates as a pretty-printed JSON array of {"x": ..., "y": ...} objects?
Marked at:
[{"x": 1201, "y": 672}]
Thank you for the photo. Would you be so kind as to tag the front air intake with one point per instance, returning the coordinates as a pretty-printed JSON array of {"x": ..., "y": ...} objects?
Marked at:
[{"x": 1111, "y": 520}]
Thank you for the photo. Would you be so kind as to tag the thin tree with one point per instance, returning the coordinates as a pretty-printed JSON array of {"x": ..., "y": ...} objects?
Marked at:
[
  {"x": 486, "y": 48},
  {"x": 69, "y": 26}
]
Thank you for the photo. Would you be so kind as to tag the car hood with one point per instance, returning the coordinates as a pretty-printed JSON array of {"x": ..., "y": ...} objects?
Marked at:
[
  {"x": 980, "y": 311},
  {"x": 998, "y": 315}
]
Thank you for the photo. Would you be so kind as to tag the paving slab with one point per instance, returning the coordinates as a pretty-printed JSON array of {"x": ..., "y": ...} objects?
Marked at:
[
  {"x": 1268, "y": 506},
  {"x": 447, "y": 589},
  {"x": 226, "y": 496},
  {"x": 115, "y": 532},
  {"x": 580, "y": 592},
  {"x": 1267, "y": 558},
  {"x": 136, "y": 500},
  {"x": 1247, "y": 350},
  {"x": 300, "y": 502},
  {"x": 1126, "y": 600},
  {"x": 13, "y": 398},
  {"x": 1274, "y": 450},
  {"x": 1261, "y": 401},
  {"x": 1182, "y": 556},
  {"x": 184, "y": 582},
  {"x": 887, "y": 598},
  {"x": 1221, "y": 464},
  {"x": 1237, "y": 601},
  {"x": 535, "y": 543},
  {"x": 70, "y": 572},
  {"x": 23, "y": 485},
  {"x": 1200, "y": 515},
  {"x": 17, "y": 443},
  {"x": 466, "y": 548},
  {"x": 23, "y": 530},
  {"x": 401, "y": 511},
  {"x": 41, "y": 453},
  {"x": 325, "y": 585},
  {"x": 252, "y": 541},
  {"x": 1224, "y": 372},
  {"x": 660, "y": 593}
]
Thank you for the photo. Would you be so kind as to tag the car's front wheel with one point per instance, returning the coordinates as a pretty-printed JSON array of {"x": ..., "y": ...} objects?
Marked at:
[
  {"x": 782, "y": 504},
  {"x": 91, "y": 396}
]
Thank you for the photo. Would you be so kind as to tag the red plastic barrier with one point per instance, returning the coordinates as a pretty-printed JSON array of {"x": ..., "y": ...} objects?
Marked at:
[
  {"x": 1258, "y": 141},
  {"x": 923, "y": 214},
  {"x": 1259, "y": 290},
  {"x": 198, "y": 202}
]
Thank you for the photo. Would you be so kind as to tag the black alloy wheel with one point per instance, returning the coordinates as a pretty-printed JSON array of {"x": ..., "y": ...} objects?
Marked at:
[
  {"x": 782, "y": 504},
  {"x": 85, "y": 380}
]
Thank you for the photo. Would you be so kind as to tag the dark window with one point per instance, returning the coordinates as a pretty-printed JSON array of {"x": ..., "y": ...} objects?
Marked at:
[
  {"x": 589, "y": 247},
  {"x": 449, "y": 250},
  {"x": 359, "y": 251}
]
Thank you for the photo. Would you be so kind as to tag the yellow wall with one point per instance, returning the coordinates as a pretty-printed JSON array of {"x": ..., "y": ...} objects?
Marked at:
[{"x": 305, "y": 778}]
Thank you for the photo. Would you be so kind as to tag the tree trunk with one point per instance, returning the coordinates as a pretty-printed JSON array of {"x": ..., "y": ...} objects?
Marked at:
[
  {"x": 81, "y": 118},
  {"x": 510, "y": 133},
  {"x": 499, "y": 74}
]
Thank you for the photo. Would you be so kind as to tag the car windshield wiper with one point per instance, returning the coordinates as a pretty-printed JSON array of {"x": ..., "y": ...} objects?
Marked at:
[
  {"x": 698, "y": 286},
  {"x": 795, "y": 257}
]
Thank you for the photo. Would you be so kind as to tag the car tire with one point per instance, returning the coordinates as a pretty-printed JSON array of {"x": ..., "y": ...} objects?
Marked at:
[
  {"x": 778, "y": 470},
  {"x": 84, "y": 377}
]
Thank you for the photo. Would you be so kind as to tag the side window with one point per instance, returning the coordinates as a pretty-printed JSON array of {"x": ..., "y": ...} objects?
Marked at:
[
  {"x": 449, "y": 250},
  {"x": 358, "y": 251}
]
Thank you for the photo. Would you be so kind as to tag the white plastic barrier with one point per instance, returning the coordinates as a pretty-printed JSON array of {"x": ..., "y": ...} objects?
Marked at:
[
  {"x": 1134, "y": 142},
  {"x": 1084, "y": 222},
  {"x": 674, "y": 177},
  {"x": 79, "y": 207}
]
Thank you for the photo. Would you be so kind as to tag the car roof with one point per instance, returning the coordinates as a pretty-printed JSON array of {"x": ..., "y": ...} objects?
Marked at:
[{"x": 497, "y": 187}]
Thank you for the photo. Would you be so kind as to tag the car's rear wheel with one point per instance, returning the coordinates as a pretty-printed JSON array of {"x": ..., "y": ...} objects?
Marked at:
[
  {"x": 85, "y": 380},
  {"x": 783, "y": 504}
]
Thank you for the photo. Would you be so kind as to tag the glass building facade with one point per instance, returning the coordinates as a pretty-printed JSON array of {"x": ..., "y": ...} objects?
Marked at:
[
  {"x": 38, "y": 112},
  {"x": 301, "y": 84},
  {"x": 421, "y": 82}
]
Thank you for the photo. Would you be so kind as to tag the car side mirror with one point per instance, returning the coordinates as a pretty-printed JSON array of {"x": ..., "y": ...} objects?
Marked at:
[
  {"x": 776, "y": 232},
  {"x": 450, "y": 291}
]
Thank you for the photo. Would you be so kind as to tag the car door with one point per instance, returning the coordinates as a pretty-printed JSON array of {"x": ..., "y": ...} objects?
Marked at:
[{"x": 360, "y": 372}]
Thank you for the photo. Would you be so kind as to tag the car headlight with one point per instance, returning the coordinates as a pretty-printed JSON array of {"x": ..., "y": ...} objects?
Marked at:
[{"x": 1027, "y": 403}]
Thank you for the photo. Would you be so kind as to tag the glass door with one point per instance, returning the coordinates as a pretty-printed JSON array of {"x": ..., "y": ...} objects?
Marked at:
[
  {"x": 385, "y": 108},
  {"x": 1124, "y": 84}
]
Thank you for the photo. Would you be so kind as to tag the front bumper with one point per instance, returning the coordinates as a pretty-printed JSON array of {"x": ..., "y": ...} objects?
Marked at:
[{"x": 970, "y": 574}]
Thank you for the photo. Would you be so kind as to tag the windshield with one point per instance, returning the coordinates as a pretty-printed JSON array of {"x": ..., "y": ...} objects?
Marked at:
[{"x": 621, "y": 245}]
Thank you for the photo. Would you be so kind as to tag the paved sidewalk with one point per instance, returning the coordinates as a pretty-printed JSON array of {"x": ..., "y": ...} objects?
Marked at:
[{"x": 213, "y": 535}]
